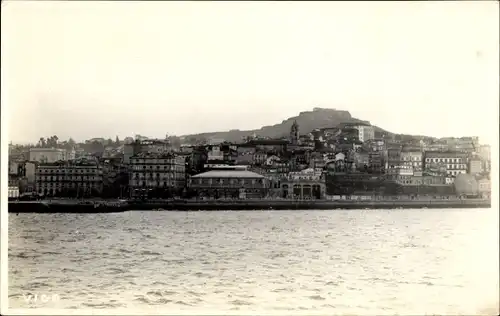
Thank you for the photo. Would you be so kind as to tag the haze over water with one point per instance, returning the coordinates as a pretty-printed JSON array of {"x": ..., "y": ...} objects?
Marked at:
[{"x": 328, "y": 262}]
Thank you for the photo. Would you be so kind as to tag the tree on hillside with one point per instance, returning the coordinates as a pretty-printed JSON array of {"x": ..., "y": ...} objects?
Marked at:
[
  {"x": 41, "y": 142},
  {"x": 117, "y": 141},
  {"x": 109, "y": 142}
]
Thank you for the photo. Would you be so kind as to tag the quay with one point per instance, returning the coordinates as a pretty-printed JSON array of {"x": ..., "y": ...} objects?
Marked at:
[{"x": 102, "y": 206}]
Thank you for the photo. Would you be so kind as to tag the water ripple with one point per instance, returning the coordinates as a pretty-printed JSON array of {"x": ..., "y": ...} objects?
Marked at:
[{"x": 332, "y": 262}]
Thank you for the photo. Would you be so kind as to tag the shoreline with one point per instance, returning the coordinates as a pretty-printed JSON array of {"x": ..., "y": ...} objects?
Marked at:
[{"x": 235, "y": 205}]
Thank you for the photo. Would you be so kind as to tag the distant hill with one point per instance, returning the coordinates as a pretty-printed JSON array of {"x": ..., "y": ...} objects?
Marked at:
[{"x": 308, "y": 120}]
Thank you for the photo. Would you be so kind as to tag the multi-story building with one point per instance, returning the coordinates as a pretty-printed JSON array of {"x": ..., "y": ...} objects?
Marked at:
[
  {"x": 236, "y": 184},
  {"x": 484, "y": 187},
  {"x": 317, "y": 161},
  {"x": 485, "y": 152},
  {"x": 475, "y": 166},
  {"x": 462, "y": 144},
  {"x": 412, "y": 161},
  {"x": 362, "y": 160},
  {"x": 365, "y": 132},
  {"x": 47, "y": 155},
  {"x": 453, "y": 163},
  {"x": 22, "y": 175},
  {"x": 245, "y": 154},
  {"x": 142, "y": 145},
  {"x": 72, "y": 178},
  {"x": 259, "y": 158},
  {"x": 157, "y": 174},
  {"x": 299, "y": 159},
  {"x": 394, "y": 162},
  {"x": 215, "y": 153},
  {"x": 375, "y": 145},
  {"x": 376, "y": 161},
  {"x": 275, "y": 170}
]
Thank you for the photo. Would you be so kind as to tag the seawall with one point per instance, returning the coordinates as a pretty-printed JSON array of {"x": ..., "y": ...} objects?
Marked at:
[{"x": 38, "y": 207}]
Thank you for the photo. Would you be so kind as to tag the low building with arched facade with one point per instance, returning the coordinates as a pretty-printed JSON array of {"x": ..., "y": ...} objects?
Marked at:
[
  {"x": 234, "y": 184},
  {"x": 305, "y": 184}
]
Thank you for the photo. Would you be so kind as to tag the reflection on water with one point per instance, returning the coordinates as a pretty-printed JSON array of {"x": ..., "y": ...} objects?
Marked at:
[{"x": 357, "y": 262}]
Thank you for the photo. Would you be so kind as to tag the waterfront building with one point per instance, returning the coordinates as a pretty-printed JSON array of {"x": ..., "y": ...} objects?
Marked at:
[
  {"x": 235, "y": 184},
  {"x": 157, "y": 174},
  {"x": 305, "y": 184},
  {"x": 454, "y": 163},
  {"x": 424, "y": 185},
  {"x": 47, "y": 155},
  {"x": 29, "y": 175},
  {"x": 466, "y": 184},
  {"x": 349, "y": 183},
  {"x": 115, "y": 176},
  {"x": 275, "y": 170},
  {"x": 22, "y": 175},
  {"x": 475, "y": 166},
  {"x": 13, "y": 192},
  {"x": 484, "y": 187},
  {"x": 72, "y": 178}
]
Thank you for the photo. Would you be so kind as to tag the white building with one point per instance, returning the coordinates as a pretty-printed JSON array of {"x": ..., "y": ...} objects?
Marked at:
[
  {"x": 454, "y": 162},
  {"x": 13, "y": 192},
  {"x": 366, "y": 132},
  {"x": 47, "y": 155}
]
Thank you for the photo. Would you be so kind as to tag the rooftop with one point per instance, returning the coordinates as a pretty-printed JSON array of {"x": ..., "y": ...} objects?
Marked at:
[
  {"x": 267, "y": 142},
  {"x": 228, "y": 174},
  {"x": 46, "y": 149},
  {"x": 154, "y": 155},
  {"x": 75, "y": 162},
  {"x": 444, "y": 154}
]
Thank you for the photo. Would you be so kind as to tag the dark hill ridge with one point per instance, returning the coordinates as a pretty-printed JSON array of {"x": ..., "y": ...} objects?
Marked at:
[{"x": 308, "y": 120}]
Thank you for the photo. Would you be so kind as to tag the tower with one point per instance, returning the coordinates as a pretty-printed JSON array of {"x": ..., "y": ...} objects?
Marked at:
[{"x": 294, "y": 133}]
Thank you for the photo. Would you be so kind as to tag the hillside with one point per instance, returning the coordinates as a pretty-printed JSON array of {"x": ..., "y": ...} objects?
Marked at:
[{"x": 308, "y": 120}]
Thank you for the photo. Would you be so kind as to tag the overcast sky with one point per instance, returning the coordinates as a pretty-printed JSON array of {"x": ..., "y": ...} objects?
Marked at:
[{"x": 89, "y": 69}]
